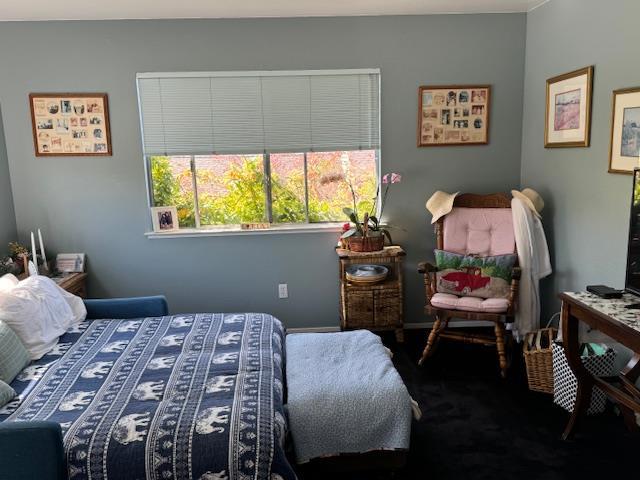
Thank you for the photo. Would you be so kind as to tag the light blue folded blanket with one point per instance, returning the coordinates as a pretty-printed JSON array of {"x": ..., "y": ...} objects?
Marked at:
[{"x": 344, "y": 395}]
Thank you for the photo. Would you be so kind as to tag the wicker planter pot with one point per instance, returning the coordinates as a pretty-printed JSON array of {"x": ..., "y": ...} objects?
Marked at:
[{"x": 366, "y": 244}]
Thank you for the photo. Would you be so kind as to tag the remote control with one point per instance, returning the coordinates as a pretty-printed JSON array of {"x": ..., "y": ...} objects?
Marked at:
[{"x": 604, "y": 292}]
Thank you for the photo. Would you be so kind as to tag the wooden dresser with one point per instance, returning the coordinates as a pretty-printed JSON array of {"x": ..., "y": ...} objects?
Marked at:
[
  {"x": 375, "y": 306},
  {"x": 75, "y": 283}
]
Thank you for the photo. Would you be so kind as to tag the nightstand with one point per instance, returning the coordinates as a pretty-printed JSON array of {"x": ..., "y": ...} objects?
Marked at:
[
  {"x": 74, "y": 283},
  {"x": 375, "y": 306}
]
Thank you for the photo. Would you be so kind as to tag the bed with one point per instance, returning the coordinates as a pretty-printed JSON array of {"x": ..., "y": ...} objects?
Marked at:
[{"x": 175, "y": 397}]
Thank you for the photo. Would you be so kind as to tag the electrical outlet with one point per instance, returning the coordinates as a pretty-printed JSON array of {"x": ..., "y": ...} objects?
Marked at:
[{"x": 283, "y": 291}]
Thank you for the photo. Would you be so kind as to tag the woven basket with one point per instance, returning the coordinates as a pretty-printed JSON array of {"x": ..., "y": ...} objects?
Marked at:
[
  {"x": 366, "y": 244},
  {"x": 538, "y": 358}
]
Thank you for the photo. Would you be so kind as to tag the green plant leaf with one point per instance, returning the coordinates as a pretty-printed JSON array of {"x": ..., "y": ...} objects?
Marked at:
[
  {"x": 349, "y": 233},
  {"x": 395, "y": 227},
  {"x": 349, "y": 212},
  {"x": 387, "y": 234}
]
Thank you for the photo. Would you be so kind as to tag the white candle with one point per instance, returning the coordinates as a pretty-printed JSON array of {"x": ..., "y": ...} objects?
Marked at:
[
  {"x": 34, "y": 255},
  {"x": 42, "y": 252}
]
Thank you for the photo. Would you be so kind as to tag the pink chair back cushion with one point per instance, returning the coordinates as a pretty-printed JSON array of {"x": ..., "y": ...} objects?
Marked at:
[{"x": 480, "y": 231}]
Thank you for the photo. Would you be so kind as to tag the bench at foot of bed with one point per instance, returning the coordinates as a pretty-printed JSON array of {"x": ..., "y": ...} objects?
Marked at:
[{"x": 348, "y": 407}]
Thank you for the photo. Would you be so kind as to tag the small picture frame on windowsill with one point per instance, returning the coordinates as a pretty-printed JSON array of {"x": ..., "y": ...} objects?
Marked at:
[{"x": 165, "y": 219}]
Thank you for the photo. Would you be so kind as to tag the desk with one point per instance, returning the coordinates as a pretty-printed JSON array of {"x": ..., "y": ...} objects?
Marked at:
[{"x": 610, "y": 317}]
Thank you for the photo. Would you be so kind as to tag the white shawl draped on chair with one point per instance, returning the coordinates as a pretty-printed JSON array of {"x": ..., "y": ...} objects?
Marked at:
[{"x": 533, "y": 256}]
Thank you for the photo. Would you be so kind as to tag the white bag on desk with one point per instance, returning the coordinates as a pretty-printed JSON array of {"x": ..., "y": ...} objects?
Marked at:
[{"x": 565, "y": 383}]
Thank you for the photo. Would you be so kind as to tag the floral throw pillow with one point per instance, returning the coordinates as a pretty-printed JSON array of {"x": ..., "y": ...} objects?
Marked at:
[{"x": 474, "y": 276}]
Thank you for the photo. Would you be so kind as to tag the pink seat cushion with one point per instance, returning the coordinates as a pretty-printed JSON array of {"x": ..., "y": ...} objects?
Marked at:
[
  {"x": 470, "y": 304},
  {"x": 479, "y": 231}
]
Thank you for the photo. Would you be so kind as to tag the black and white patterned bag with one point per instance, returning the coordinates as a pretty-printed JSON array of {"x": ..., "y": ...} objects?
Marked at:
[{"x": 565, "y": 384}]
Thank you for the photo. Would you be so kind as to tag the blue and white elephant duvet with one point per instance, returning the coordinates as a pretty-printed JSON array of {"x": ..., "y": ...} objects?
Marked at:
[{"x": 182, "y": 397}]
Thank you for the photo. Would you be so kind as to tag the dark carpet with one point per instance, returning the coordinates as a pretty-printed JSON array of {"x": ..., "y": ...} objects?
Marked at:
[{"x": 477, "y": 426}]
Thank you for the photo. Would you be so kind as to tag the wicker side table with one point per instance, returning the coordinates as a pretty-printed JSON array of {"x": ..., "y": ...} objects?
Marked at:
[{"x": 377, "y": 306}]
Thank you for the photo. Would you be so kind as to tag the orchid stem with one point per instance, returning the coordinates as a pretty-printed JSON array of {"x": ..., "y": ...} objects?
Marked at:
[{"x": 384, "y": 201}]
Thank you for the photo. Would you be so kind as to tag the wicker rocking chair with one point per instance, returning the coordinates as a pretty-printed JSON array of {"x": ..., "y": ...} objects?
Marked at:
[{"x": 477, "y": 224}]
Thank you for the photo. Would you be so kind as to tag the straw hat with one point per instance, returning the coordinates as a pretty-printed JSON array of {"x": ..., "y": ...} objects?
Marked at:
[
  {"x": 531, "y": 199},
  {"x": 440, "y": 204}
]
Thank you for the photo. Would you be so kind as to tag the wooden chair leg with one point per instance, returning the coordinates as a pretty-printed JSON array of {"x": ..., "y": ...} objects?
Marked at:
[
  {"x": 500, "y": 346},
  {"x": 433, "y": 338},
  {"x": 628, "y": 376},
  {"x": 399, "y": 335}
]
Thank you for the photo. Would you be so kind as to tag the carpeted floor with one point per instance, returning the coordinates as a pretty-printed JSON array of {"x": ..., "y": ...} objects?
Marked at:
[{"x": 477, "y": 426}]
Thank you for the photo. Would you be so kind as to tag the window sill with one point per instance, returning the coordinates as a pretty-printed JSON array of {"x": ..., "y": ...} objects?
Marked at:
[{"x": 235, "y": 230}]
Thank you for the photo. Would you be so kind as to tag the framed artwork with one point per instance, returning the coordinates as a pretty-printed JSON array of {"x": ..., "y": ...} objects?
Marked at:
[
  {"x": 70, "y": 124},
  {"x": 165, "y": 219},
  {"x": 624, "y": 153},
  {"x": 568, "y": 114},
  {"x": 453, "y": 115},
  {"x": 70, "y": 262}
]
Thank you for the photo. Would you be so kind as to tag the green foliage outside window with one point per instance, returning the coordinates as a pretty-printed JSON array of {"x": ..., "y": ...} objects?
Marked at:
[{"x": 244, "y": 198}]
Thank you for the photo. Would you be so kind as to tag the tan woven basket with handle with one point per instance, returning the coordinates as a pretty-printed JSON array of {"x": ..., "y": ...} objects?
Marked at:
[
  {"x": 538, "y": 358},
  {"x": 366, "y": 244}
]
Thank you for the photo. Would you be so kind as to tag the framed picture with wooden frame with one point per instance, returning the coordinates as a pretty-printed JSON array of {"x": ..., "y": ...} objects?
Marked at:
[
  {"x": 453, "y": 115},
  {"x": 70, "y": 124},
  {"x": 568, "y": 110},
  {"x": 624, "y": 150}
]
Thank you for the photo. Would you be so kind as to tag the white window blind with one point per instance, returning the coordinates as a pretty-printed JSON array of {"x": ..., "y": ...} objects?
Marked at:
[{"x": 259, "y": 112}]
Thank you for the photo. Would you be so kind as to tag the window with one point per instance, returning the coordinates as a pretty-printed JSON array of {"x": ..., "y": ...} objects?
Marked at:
[{"x": 253, "y": 147}]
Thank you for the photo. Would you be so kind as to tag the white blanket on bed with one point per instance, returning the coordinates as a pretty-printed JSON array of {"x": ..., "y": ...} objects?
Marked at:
[{"x": 344, "y": 395}]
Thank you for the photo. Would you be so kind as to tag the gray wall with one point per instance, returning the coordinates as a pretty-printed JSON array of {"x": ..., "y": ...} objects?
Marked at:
[
  {"x": 7, "y": 215},
  {"x": 97, "y": 205},
  {"x": 587, "y": 209}
]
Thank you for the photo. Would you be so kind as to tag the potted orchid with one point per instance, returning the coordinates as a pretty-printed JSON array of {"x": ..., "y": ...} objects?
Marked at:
[{"x": 367, "y": 234}]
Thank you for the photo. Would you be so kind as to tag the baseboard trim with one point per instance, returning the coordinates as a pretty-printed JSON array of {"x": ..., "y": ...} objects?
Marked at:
[
  {"x": 407, "y": 326},
  {"x": 313, "y": 330},
  {"x": 417, "y": 326}
]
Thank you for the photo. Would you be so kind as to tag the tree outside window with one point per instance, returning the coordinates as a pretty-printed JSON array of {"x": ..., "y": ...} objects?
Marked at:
[{"x": 280, "y": 188}]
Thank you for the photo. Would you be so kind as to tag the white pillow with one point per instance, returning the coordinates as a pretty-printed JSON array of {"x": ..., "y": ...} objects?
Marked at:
[
  {"x": 39, "y": 311},
  {"x": 8, "y": 282}
]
